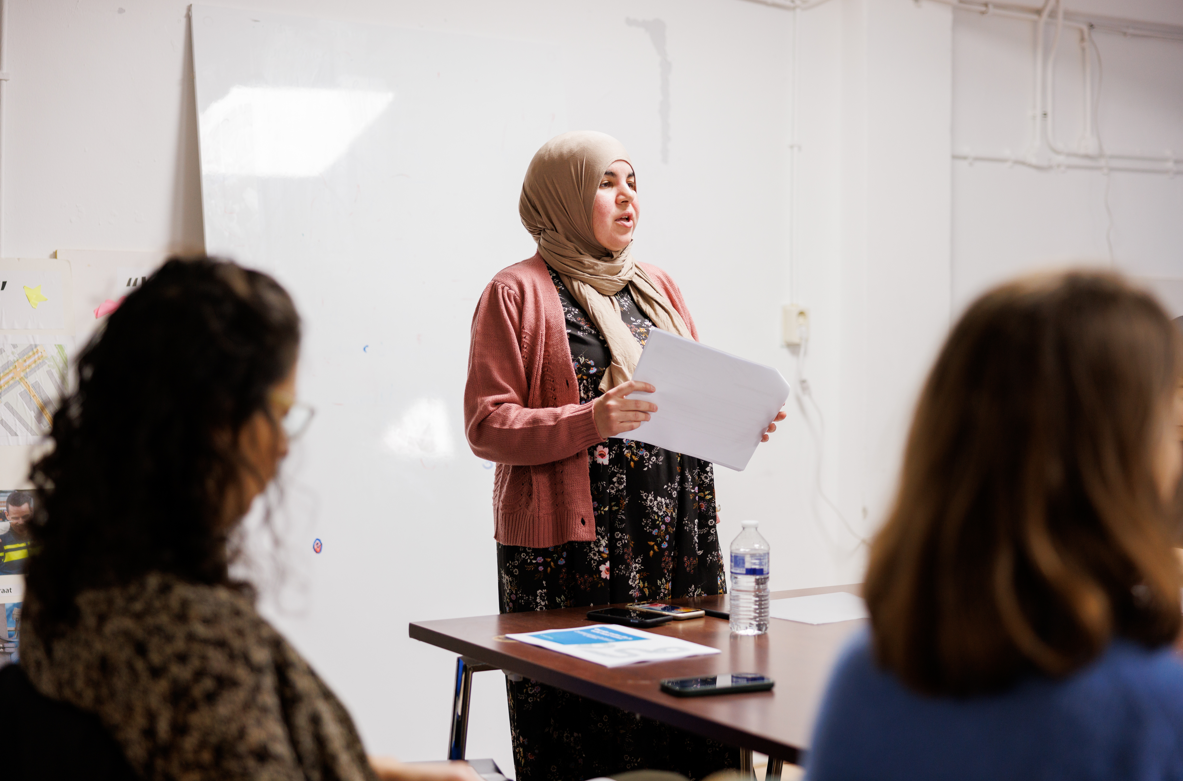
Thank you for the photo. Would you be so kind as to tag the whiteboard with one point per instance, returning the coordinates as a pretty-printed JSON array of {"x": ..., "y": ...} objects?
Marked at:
[
  {"x": 375, "y": 172},
  {"x": 388, "y": 240}
]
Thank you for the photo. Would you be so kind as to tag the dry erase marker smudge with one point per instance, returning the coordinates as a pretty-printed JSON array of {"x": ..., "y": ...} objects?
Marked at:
[
  {"x": 316, "y": 545},
  {"x": 487, "y": 464},
  {"x": 365, "y": 348}
]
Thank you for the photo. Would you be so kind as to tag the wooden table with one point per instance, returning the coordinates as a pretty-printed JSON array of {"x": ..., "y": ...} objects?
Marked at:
[{"x": 777, "y": 723}]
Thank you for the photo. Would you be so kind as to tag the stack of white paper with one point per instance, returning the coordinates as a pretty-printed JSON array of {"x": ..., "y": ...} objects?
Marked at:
[
  {"x": 820, "y": 608},
  {"x": 710, "y": 405},
  {"x": 613, "y": 646}
]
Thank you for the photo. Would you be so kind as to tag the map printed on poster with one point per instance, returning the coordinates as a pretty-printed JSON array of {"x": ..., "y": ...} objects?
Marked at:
[{"x": 32, "y": 381}]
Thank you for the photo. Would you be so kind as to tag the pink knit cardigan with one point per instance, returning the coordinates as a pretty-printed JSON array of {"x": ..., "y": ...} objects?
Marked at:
[{"x": 522, "y": 410}]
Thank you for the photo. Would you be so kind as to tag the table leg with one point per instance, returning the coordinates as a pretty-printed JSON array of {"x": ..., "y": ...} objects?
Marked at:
[
  {"x": 746, "y": 768},
  {"x": 774, "y": 768},
  {"x": 465, "y": 667}
]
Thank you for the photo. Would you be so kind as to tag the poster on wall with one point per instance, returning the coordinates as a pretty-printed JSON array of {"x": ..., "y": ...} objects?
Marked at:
[
  {"x": 16, "y": 510},
  {"x": 49, "y": 309},
  {"x": 36, "y": 339}
]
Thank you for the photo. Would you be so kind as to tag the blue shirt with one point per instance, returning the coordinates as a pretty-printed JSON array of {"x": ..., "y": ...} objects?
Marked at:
[{"x": 1121, "y": 717}]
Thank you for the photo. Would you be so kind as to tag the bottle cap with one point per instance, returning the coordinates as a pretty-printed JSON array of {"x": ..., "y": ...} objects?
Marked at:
[{"x": 749, "y": 524}]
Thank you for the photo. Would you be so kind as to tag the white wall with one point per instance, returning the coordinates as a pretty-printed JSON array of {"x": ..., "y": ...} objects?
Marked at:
[
  {"x": 100, "y": 141},
  {"x": 1007, "y": 220},
  {"x": 892, "y": 236}
]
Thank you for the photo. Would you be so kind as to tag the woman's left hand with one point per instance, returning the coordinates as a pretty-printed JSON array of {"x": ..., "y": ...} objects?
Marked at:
[{"x": 772, "y": 426}]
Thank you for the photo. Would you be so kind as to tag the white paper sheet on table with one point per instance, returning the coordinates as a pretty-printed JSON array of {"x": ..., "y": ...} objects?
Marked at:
[
  {"x": 819, "y": 608},
  {"x": 613, "y": 646},
  {"x": 710, "y": 405}
]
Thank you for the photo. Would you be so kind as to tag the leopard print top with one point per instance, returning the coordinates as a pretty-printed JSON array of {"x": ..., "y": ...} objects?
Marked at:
[{"x": 193, "y": 684}]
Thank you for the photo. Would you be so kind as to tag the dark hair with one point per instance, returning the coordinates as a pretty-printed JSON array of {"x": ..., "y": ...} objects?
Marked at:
[
  {"x": 146, "y": 449},
  {"x": 1027, "y": 530},
  {"x": 19, "y": 499}
]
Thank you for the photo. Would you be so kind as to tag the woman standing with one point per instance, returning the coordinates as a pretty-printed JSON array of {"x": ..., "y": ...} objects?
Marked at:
[{"x": 582, "y": 519}]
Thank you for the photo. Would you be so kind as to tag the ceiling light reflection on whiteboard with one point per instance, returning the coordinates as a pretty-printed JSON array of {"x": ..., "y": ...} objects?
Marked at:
[
  {"x": 284, "y": 131},
  {"x": 423, "y": 433}
]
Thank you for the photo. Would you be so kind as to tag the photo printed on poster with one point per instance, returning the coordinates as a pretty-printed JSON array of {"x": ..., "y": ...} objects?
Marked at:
[{"x": 16, "y": 512}]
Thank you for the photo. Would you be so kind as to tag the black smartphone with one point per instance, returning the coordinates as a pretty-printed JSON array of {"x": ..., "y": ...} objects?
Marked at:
[
  {"x": 627, "y": 616},
  {"x": 736, "y": 683}
]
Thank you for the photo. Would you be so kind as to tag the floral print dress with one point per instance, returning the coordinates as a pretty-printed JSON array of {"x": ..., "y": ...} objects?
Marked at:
[{"x": 656, "y": 539}]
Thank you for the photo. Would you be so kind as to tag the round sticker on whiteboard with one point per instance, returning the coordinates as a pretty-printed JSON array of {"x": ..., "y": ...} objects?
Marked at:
[{"x": 316, "y": 545}]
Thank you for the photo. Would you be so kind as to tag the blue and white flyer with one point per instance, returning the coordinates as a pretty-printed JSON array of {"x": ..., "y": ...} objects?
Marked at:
[{"x": 613, "y": 646}]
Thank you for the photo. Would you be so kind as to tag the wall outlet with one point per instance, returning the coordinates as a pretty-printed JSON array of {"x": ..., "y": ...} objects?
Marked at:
[{"x": 794, "y": 324}]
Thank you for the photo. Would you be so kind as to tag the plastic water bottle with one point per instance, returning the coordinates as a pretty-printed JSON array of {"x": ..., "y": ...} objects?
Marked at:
[{"x": 749, "y": 582}]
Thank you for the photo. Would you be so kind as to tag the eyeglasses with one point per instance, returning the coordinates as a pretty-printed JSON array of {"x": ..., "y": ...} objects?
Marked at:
[
  {"x": 298, "y": 415},
  {"x": 296, "y": 421}
]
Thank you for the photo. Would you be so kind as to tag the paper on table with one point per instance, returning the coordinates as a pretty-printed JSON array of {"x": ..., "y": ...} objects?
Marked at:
[
  {"x": 710, "y": 405},
  {"x": 613, "y": 646},
  {"x": 820, "y": 608}
]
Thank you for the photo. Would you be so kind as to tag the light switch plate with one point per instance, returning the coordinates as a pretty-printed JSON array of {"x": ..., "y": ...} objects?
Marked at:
[{"x": 794, "y": 324}]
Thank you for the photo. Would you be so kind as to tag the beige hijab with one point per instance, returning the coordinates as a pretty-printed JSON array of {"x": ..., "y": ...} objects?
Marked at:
[{"x": 556, "y": 207}]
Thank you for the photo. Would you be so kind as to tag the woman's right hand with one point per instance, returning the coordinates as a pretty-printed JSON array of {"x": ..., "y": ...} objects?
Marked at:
[{"x": 614, "y": 413}]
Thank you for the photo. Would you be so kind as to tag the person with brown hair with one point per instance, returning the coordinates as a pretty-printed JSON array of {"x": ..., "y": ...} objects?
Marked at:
[{"x": 1023, "y": 592}]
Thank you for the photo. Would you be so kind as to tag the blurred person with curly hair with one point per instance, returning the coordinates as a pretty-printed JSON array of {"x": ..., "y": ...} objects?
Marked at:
[{"x": 185, "y": 405}]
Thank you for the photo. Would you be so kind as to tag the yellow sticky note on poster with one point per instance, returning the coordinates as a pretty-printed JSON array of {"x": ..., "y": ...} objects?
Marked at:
[{"x": 34, "y": 295}]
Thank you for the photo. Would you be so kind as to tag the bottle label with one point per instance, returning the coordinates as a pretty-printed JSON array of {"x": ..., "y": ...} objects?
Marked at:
[{"x": 749, "y": 563}]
